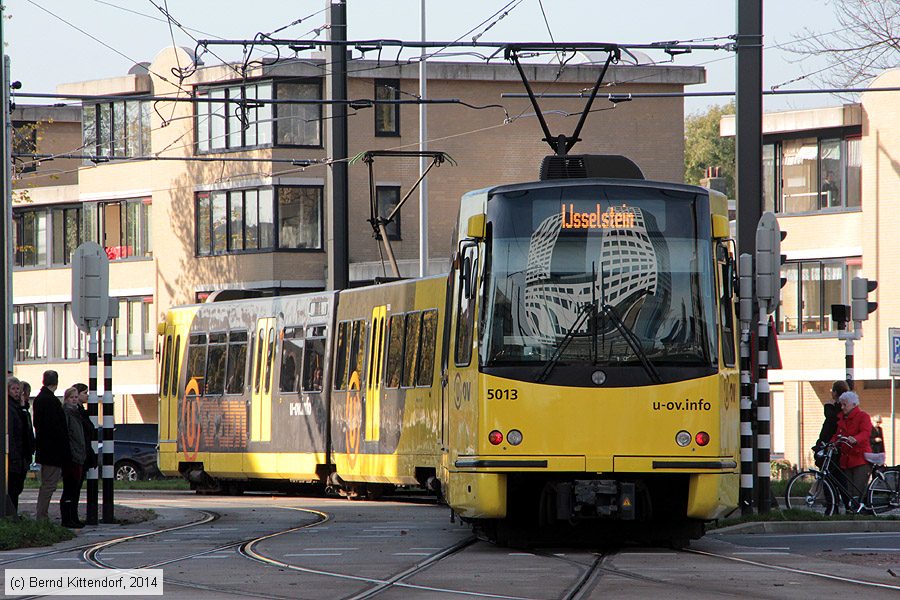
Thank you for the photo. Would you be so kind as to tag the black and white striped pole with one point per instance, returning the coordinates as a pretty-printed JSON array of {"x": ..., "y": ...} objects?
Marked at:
[
  {"x": 768, "y": 295},
  {"x": 109, "y": 421},
  {"x": 94, "y": 414},
  {"x": 745, "y": 313}
]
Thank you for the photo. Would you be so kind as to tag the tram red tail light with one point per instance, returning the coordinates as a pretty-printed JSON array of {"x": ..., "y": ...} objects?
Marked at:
[
  {"x": 702, "y": 438},
  {"x": 495, "y": 437}
]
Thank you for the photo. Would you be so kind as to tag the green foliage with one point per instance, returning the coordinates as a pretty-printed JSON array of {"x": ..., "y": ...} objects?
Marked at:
[
  {"x": 169, "y": 483},
  {"x": 704, "y": 147},
  {"x": 797, "y": 515},
  {"x": 22, "y": 532}
]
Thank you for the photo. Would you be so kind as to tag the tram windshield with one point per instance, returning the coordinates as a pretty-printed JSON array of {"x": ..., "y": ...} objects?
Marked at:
[{"x": 599, "y": 276}]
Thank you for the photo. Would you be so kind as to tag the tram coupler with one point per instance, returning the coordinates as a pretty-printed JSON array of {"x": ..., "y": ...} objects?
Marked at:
[{"x": 594, "y": 499}]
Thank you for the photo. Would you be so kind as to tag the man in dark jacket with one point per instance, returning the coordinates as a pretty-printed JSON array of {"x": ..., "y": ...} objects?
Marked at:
[
  {"x": 51, "y": 439},
  {"x": 21, "y": 440}
]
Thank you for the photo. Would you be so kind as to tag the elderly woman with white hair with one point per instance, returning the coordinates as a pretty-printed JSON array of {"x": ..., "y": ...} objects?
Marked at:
[{"x": 856, "y": 426}]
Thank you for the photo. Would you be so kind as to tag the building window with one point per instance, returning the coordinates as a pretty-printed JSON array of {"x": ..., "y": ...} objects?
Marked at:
[
  {"x": 300, "y": 218},
  {"x": 237, "y": 221},
  {"x": 811, "y": 288},
  {"x": 808, "y": 175},
  {"x": 69, "y": 342},
  {"x": 24, "y": 141},
  {"x": 30, "y": 238},
  {"x": 235, "y": 120},
  {"x": 122, "y": 227},
  {"x": 119, "y": 129},
  {"x": 66, "y": 234},
  {"x": 387, "y": 116},
  {"x": 133, "y": 329},
  {"x": 30, "y": 331},
  {"x": 298, "y": 124},
  {"x": 388, "y": 197}
]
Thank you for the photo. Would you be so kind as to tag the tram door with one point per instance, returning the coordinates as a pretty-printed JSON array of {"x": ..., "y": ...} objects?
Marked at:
[
  {"x": 261, "y": 389},
  {"x": 373, "y": 380}
]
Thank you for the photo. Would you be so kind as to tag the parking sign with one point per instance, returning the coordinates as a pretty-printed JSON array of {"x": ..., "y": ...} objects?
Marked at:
[{"x": 894, "y": 340}]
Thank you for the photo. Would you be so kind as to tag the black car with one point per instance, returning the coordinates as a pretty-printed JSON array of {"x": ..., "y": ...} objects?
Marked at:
[{"x": 135, "y": 454}]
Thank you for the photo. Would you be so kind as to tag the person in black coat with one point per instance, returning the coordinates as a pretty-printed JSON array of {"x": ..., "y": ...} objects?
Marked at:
[
  {"x": 21, "y": 441},
  {"x": 829, "y": 427},
  {"x": 51, "y": 440}
]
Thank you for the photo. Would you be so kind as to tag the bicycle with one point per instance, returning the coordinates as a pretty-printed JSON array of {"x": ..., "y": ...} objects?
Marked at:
[{"x": 826, "y": 491}]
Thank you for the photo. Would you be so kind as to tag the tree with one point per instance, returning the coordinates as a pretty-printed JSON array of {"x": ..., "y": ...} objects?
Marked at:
[
  {"x": 866, "y": 42},
  {"x": 704, "y": 147}
]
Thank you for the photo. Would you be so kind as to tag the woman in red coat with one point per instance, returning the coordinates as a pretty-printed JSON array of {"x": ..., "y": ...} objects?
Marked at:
[{"x": 855, "y": 425}]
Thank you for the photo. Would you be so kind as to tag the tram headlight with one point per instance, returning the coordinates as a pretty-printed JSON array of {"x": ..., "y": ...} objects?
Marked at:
[
  {"x": 514, "y": 437},
  {"x": 683, "y": 438},
  {"x": 495, "y": 437},
  {"x": 702, "y": 438}
]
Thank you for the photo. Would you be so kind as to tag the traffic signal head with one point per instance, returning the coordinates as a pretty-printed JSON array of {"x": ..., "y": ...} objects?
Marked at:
[
  {"x": 860, "y": 307},
  {"x": 768, "y": 261}
]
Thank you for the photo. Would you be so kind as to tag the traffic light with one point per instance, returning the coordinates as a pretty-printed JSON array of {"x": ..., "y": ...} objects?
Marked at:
[
  {"x": 768, "y": 262},
  {"x": 860, "y": 307}
]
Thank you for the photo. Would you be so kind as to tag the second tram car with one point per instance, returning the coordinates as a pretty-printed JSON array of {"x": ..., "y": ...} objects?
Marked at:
[{"x": 578, "y": 364}]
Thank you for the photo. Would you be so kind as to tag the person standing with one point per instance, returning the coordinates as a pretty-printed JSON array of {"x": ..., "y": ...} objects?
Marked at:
[
  {"x": 90, "y": 457},
  {"x": 877, "y": 439},
  {"x": 68, "y": 503},
  {"x": 856, "y": 426},
  {"x": 51, "y": 440},
  {"x": 829, "y": 427},
  {"x": 21, "y": 441}
]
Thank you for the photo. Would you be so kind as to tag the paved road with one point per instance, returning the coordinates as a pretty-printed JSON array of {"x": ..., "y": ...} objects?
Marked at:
[{"x": 288, "y": 547}]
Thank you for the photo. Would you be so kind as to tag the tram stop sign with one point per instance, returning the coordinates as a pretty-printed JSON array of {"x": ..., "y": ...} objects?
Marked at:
[
  {"x": 894, "y": 349},
  {"x": 90, "y": 287}
]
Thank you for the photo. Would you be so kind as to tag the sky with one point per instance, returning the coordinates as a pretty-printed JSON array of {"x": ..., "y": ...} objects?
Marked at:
[{"x": 59, "y": 41}]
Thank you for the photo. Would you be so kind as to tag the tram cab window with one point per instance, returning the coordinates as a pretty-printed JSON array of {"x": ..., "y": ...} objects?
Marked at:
[
  {"x": 396, "y": 334},
  {"x": 425, "y": 368},
  {"x": 176, "y": 366},
  {"x": 726, "y": 306},
  {"x": 257, "y": 376},
  {"x": 237, "y": 362},
  {"x": 196, "y": 367},
  {"x": 411, "y": 354},
  {"x": 291, "y": 355},
  {"x": 465, "y": 321},
  {"x": 216, "y": 354},
  {"x": 313, "y": 362}
]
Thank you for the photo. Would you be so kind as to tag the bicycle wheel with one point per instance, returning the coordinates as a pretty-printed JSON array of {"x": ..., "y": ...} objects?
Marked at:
[
  {"x": 884, "y": 492},
  {"x": 809, "y": 491}
]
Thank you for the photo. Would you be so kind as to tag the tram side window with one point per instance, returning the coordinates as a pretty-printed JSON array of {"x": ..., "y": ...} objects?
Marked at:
[
  {"x": 237, "y": 362},
  {"x": 167, "y": 365},
  {"x": 257, "y": 374},
  {"x": 340, "y": 356},
  {"x": 313, "y": 361},
  {"x": 215, "y": 364},
  {"x": 375, "y": 349},
  {"x": 270, "y": 356},
  {"x": 176, "y": 366},
  {"x": 357, "y": 355},
  {"x": 394, "y": 351},
  {"x": 196, "y": 367},
  {"x": 413, "y": 322},
  {"x": 425, "y": 369},
  {"x": 291, "y": 355}
]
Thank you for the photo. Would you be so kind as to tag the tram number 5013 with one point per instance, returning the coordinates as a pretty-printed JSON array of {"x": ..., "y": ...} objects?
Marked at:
[{"x": 502, "y": 394}]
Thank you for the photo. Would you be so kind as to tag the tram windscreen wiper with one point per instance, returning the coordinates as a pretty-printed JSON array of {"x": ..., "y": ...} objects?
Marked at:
[
  {"x": 632, "y": 340},
  {"x": 586, "y": 310}
]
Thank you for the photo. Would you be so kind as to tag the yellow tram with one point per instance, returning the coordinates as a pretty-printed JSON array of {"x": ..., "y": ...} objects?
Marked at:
[{"x": 578, "y": 364}]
